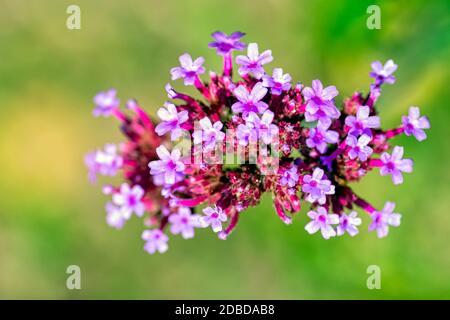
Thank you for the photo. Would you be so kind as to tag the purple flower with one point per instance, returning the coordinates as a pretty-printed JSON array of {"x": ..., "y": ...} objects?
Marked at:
[
  {"x": 156, "y": 241},
  {"x": 114, "y": 216},
  {"x": 168, "y": 166},
  {"x": 105, "y": 103},
  {"x": 263, "y": 127},
  {"x": 224, "y": 44},
  {"x": 246, "y": 134},
  {"x": 383, "y": 74},
  {"x": 249, "y": 102},
  {"x": 348, "y": 223},
  {"x": 381, "y": 220},
  {"x": 171, "y": 121},
  {"x": 289, "y": 177},
  {"x": 317, "y": 186},
  {"x": 413, "y": 124},
  {"x": 129, "y": 200},
  {"x": 188, "y": 70},
  {"x": 184, "y": 222},
  {"x": 209, "y": 135},
  {"x": 213, "y": 217},
  {"x": 320, "y": 104},
  {"x": 359, "y": 147},
  {"x": 319, "y": 137},
  {"x": 395, "y": 164},
  {"x": 254, "y": 61},
  {"x": 278, "y": 82},
  {"x": 106, "y": 162},
  {"x": 322, "y": 221},
  {"x": 362, "y": 122}
]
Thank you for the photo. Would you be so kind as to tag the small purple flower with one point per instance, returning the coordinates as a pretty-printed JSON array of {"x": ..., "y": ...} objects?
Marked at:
[
  {"x": 253, "y": 62},
  {"x": 381, "y": 220},
  {"x": 171, "y": 121},
  {"x": 413, "y": 124},
  {"x": 168, "y": 166},
  {"x": 224, "y": 44},
  {"x": 129, "y": 200},
  {"x": 317, "y": 186},
  {"x": 265, "y": 130},
  {"x": 156, "y": 240},
  {"x": 246, "y": 134},
  {"x": 395, "y": 164},
  {"x": 349, "y": 224},
  {"x": 359, "y": 147},
  {"x": 362, "y": 122},
  {"x": 320, "y": 104},
  {"x": 188, "y": 70},
  {"x": 383, "y": 74},
  {"x": 278, "y": 82},
  {"x": 289, "y": 177},
  {"x": 106, "y": 162},
  {"x": 322, "y": 221},
  {"x": 319, "y": 137},
  {"x": 213, "y": 217},
  {"x": 105, "y": 103},
  {"x": 209, "y": 134},
  {"x": 184, "y": 222},
  {"x": 249, "y": 102},
  {"x": 114, "y": 216}
]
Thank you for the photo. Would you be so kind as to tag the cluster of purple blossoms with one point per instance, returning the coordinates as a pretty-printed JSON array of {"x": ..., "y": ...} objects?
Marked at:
[{"x": 319, "y": 150}]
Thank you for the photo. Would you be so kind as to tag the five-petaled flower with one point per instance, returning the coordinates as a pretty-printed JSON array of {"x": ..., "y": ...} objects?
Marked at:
[
  {"x": 383, "y": 73},
  {"x": 253, "y": 62},
  {"x": 156, "y": 240},
  {"x": 105, "y": 103},
  {"x": 319, "y": 138},
  {"x": 188, "y": 69},
  {"x": 381, "y": 220},
  {"x": 359, "y": 147},
  {"x": 278, "y": 82},
  {"x": 317, "y": 186},
  {"x": 320, "y": 103},
  {"x": 214, "y": 216},
  {"x": 129, "y": 200},
  {"x": 184, "y": 222},
  {"x": 169, "y": 165},
  {"x": 349, "y": 224},
  {"x": 413, "y": 124},
  {"x": 289, "y": 177},
  {"x": 114, "y": 216},
  {"x": 250, "y": 101},
  {"x": 263, "y": 127},
  {"x": 322, "y": 221},
  {"x": 171, "y": 121},
  {"x": 224, "y": 44},
  {"x": 395, "y": 164},
  {"x": 362, "y": 123},
  {"x": 209, "y": 134}
]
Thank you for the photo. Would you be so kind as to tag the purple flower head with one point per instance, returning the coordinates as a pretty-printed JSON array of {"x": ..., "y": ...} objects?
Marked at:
[
  {"x": 322, "y": 221},
  {"x": 249, "y": 102},
  {"x": 359, "y": 147},
  {"x": 381, "y": 220},
  {"x": 224, "y": 44},
  {"x": 156, "y": 240},
  {"x": 253, "y": 62},
  {"x": 184, "y": 222},
  {"x": 413, "y": 124},
  {"x": 114, "y": 216},
  {"x": 105, "y": 103},
  {"x": 395, "y": 164},
  {"x": 188, "y": 70},
  {"x": 317, "y": 186},
  {"x": 289, "y": 177},
  {"x": 129, "y": 200},
  {"x": 213, "y": 217},
  {"x": 171, "y": 121},
  {"x": 320, "y": 104},
  {"x": 383, "y": 74},
  {"x": 168, "y": 166},
  {"x": 319, "y": 137},
  {"x": 362, "y": 122},
  {"x": 349, "y": 224},
  {"x": 265, "y": 130},
  {"x": 278, "y": 82},
  {"x": 209, "y": 134}
]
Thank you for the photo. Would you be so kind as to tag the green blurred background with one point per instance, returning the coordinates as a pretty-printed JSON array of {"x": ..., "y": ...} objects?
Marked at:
[{"x": 51, "y": 217}]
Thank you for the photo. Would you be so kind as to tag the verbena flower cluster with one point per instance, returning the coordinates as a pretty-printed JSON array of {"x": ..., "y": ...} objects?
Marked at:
[{"x": 319, "y": 150}]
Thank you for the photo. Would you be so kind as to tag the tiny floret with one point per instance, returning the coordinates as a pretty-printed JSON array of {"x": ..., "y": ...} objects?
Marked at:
[
  {"x": 395, "y": 164},
  {"x": 188, "y": 69},
  {"x": 414, "y": 124},
  {"x": 381, "y": 220},
  {"x": 322, "y": 221},
  {"x": 253, "y": 62}
]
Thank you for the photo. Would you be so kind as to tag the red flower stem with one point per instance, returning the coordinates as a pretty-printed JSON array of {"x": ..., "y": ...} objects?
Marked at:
[
  {"x": 201, "y": 87},
  {"x": 394, "y": 132}
]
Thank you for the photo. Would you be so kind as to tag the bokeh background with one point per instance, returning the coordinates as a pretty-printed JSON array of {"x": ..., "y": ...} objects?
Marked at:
[{"x": 51, "y": 217}]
